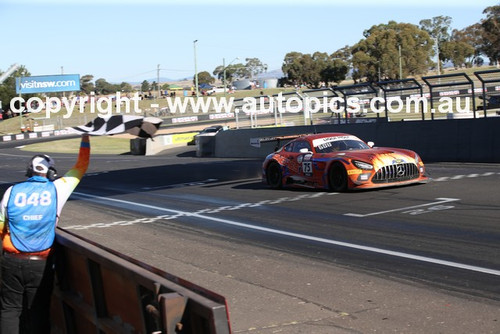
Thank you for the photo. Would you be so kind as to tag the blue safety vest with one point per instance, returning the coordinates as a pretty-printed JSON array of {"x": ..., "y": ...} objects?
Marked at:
[{"x": 32, "y": 213}]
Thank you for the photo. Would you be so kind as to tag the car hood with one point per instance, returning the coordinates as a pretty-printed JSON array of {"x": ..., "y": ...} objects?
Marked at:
[{"x": 379, "y": 156}]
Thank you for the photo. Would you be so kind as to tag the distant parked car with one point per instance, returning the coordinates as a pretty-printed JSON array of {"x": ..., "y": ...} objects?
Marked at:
[
  {"x": 211, "y": 130},
  {"x": 492, "y": 102},
  {"x": 216, "y": 90}
]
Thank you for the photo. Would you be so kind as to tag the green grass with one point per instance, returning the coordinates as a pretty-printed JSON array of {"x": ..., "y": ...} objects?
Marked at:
[{"x": 99, "y": 145}]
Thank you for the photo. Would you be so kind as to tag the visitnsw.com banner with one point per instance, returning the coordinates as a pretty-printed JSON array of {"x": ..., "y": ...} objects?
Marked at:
[{"x": 48, "y": 84}]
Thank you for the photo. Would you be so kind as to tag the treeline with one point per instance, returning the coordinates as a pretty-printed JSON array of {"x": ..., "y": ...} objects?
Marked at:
[{"x": 398, "y": 50}]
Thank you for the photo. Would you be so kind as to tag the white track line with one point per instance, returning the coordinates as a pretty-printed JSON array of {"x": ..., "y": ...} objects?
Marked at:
[
  {"x": 440, "y": 201},
  {"x": 305, "y": 237}
]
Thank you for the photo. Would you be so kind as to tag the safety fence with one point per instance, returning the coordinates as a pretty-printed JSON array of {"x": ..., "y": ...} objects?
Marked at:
[
  {"x": 458, "y": 95},
  {"x": 98, "y": 290},
  {"x": 446, "y": 96}
]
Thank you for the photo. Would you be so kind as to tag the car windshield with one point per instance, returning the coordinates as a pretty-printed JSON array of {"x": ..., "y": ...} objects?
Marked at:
[
  {"x": 211, "y": 129},
  {"x": 328, "y": 145}
]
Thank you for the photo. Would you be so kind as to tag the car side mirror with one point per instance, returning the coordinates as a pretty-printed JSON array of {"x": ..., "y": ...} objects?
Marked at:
[{"x": 371, "y": 144}]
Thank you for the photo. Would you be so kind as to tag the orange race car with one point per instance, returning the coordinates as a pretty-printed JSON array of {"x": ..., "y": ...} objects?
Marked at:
[{"x": 340, "y": 161}]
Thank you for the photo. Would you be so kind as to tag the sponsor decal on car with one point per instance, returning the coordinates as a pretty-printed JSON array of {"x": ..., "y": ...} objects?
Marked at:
[{"x": 322, "y": 143}]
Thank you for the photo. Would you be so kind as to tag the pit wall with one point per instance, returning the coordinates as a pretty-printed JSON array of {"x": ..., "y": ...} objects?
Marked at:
[
  {"x": 99, "y": 290},
  {"x": 459, "y": 140}
]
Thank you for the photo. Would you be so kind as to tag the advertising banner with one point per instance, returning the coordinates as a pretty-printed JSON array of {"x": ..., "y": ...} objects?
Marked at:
[{"x": 48, "y": 84}]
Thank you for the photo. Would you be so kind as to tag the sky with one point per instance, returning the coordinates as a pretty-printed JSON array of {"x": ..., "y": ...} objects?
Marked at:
[{"x": 125, "y": 40}]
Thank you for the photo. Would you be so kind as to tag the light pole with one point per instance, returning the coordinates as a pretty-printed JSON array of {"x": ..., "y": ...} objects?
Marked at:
[
  {"x": 195, "y": 68},
  {"x": 437, "y": 52},
  {"x": 158, "y": 80},
  {"x": 400, "y": 64},
  {"x": 224, "y": 71}
]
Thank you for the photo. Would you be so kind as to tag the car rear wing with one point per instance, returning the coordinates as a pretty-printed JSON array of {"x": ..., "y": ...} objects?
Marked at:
[{"x": 256, "y": 142}]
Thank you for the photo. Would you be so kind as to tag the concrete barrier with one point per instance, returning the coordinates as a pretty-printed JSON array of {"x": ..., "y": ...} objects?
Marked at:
[
  {"x": 162, "y": 142},
  {"x": 138, "y": 146},
  {"x": 205, "y": 145},
  {"x": 463, "y": 140}
]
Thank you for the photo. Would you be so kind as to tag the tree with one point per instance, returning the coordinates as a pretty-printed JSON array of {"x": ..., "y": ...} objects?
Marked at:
[
  {"x": 254, "y": 66},
  {"x": 342, "y": 62},
  {"x": 335, "y": 70},
  {"x": 145, "y": 86},
  {"x": 438, "y": 27},
  {"x": 154, "y": 85},
  {"x": 102, "y": 87},
  {"x": 126, "y": 87},
  {"x": 387, "y": 48},
  {"x": 473, "y": 36},
  {"x": 233, "y": 71},
  {"x": 344, "y": 54},
  {"x": 456, "y": 52},
  {"x": 491, "y": 33},
  {"x": 314, "y": 70},
  {"x": 205, "y": 78},
  {"x": 365, "y": 66},
  {"x": 8, "y": 87},
  {"x": 291, "y": 67},
  {"x": 311, "y": 69},
  {"x": 86, "y": 84}
]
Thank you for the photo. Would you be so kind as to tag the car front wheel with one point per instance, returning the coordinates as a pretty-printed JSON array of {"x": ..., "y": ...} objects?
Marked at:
[
  {"x": 337, "y": 178},
  {"x": 274, "y": 176}
]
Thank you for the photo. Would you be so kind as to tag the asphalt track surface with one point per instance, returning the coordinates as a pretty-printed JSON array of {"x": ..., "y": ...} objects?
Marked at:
[{"x": 414, "y": 259}]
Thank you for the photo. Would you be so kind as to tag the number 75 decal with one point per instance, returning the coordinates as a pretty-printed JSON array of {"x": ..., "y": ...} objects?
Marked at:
[{"x": 307, "y": 167}]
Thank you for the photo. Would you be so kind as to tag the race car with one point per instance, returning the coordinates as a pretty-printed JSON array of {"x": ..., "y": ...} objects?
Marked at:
[{"x": 340, "y": 162}]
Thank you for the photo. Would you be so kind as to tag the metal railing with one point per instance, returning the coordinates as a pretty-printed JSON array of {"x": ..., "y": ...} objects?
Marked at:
[
  {"x": 490, "y": 82},
  {"x": 456, "y": 85}
]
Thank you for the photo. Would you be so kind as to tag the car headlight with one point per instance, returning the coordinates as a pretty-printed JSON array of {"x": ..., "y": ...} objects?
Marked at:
[
  {"x": 362, "y": 165},
  {"x": 418, "y": 160}
]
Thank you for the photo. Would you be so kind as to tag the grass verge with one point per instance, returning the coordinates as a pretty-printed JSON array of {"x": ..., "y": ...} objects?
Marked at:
[{"x": 99, "y": 145}]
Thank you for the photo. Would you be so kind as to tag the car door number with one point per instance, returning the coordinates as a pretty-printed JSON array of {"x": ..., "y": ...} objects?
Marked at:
[{"x": 307, "y": 167}]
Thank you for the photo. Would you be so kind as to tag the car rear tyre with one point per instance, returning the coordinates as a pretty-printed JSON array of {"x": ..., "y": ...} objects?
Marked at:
[
  {"x": 274, "y": 176},
  {"x": 337, "y": 178}
]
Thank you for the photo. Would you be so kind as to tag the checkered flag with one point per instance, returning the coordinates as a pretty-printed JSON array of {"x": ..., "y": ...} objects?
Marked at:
[{"x": 143, "y": 127}]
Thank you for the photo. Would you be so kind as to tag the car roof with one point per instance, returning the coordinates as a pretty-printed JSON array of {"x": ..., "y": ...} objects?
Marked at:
[{"x": 324, "y": 135}]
